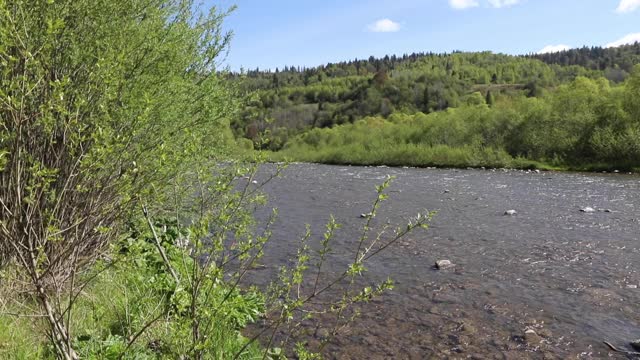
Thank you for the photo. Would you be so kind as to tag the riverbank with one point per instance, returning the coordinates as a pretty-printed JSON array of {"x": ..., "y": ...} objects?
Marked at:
[{"x": 346, "y": 159}]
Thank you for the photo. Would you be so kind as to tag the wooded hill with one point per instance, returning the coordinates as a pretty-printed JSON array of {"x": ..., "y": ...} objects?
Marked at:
[{"x": 289, "y": 101}]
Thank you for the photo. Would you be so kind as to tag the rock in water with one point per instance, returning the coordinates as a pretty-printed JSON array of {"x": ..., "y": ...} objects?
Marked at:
[
  {"x": 510, "y": 213},
  {"x": 545, "y": 333},
  {"x": 444, "y": 264},
  {"x": 469, "y": 329},
  {"x": 635, "y": 345},
  {"x": 587, "y": 210},
  {"x": 531, "y": 337}
]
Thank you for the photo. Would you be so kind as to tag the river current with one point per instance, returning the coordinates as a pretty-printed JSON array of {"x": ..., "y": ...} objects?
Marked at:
[{"x": 549, "y": 282}]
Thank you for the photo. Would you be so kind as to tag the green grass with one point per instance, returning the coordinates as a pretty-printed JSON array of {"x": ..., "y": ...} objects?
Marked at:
[
  {"x": 439, "y": 157},
  {"x": 17, "y": 340},
  {"x": 110, "y": 311},
  {"x": 407, "y": 155}
]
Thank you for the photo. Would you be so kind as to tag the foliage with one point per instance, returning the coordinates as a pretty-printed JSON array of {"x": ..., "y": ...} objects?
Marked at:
[
  {"x": 287, "y": 103},
  {"x": 133, "y": 307},
  {"x": 123, "y": 222},
  {"x": 586, "y": 121},
  {"x": 617, "y": 62},
  {"x": 128, "y": 291},
  {"x": 101, "y": 105}
]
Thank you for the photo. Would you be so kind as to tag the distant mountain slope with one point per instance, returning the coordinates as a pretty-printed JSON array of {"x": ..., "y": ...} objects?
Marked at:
[
  {"x": 291, "y": 101},
  {"x": 596, "y": 58}
]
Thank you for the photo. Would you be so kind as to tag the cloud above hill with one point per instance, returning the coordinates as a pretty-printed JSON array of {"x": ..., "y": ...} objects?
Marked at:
[
  {"x": 466, "y": 4},
  {"x": 553, "y": 49},
  {"x": 625, "y": 40},
  {"x": 384, "y": 26}
]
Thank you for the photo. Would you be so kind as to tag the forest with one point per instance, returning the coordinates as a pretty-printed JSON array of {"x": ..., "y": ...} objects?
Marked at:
[{"x": 571, "y": 109}]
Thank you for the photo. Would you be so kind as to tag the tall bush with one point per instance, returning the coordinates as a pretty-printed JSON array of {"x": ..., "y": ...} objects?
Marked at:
[{"x": 102, "y": 104}]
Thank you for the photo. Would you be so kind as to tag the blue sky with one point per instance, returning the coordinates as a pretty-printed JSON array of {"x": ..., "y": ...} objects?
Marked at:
[{"x": 275, "y": 33}]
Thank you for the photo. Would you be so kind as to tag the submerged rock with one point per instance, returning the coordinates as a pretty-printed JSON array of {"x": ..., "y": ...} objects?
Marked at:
[
  {"x": 545, "y": 333},
  {"x": 468, "y": 329},
  {"x": 444, "y": 264},
  {"x": 510, "y": 213},
  {"x": 531, "y": 337},
  {"x": 587, "y": 210}
]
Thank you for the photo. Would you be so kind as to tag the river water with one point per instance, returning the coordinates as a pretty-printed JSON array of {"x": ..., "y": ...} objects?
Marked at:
[{"x": 571, "y": 277}]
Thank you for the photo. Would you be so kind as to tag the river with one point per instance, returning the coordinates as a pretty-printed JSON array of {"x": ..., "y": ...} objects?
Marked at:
[{"x": 569, "y": 276}]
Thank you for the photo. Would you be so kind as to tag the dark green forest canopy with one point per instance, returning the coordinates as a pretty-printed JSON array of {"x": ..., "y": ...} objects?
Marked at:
[{"x": 620, "y": 58}]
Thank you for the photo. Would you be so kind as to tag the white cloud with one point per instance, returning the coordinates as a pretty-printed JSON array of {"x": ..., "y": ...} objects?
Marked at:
[
  {"x": 553, "y": 49},
  {"x": 628, "y": 39},
  {"x": 627, "y": 6},
  {"x": 463, "y": 4},
  {"x": 503, "y": 3},
  {"x": 384, "y": 25}
]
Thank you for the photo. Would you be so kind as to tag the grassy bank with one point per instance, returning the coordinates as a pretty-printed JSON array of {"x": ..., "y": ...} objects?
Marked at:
[
  {"x": 131, "y": 310},
  {"x": 440, "y": 157}
]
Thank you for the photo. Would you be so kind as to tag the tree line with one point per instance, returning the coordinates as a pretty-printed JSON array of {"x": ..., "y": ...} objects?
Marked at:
[
  {"x": 284, "y": 104},
  {"x": 584, "y": 124}
]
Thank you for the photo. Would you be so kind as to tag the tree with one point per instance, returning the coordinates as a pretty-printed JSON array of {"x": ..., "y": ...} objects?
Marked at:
[
  {"x": 102, "y": 104},
  {"x": 380, "y": 78},
  {"x": 489, "y": 99},
  {"x": 632, "y": 88}
]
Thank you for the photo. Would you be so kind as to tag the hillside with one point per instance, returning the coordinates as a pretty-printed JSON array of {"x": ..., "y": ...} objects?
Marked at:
[
  {"x": 292, "y": 100},
  {"x": 287, "y": 106}
]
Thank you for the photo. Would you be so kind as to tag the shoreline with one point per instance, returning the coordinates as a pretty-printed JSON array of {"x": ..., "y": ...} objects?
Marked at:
[{"x": 588, "y": 169}]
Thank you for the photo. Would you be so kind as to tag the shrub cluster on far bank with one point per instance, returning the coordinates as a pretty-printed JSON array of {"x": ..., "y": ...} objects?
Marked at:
[{"x": 582, "y": 124}]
